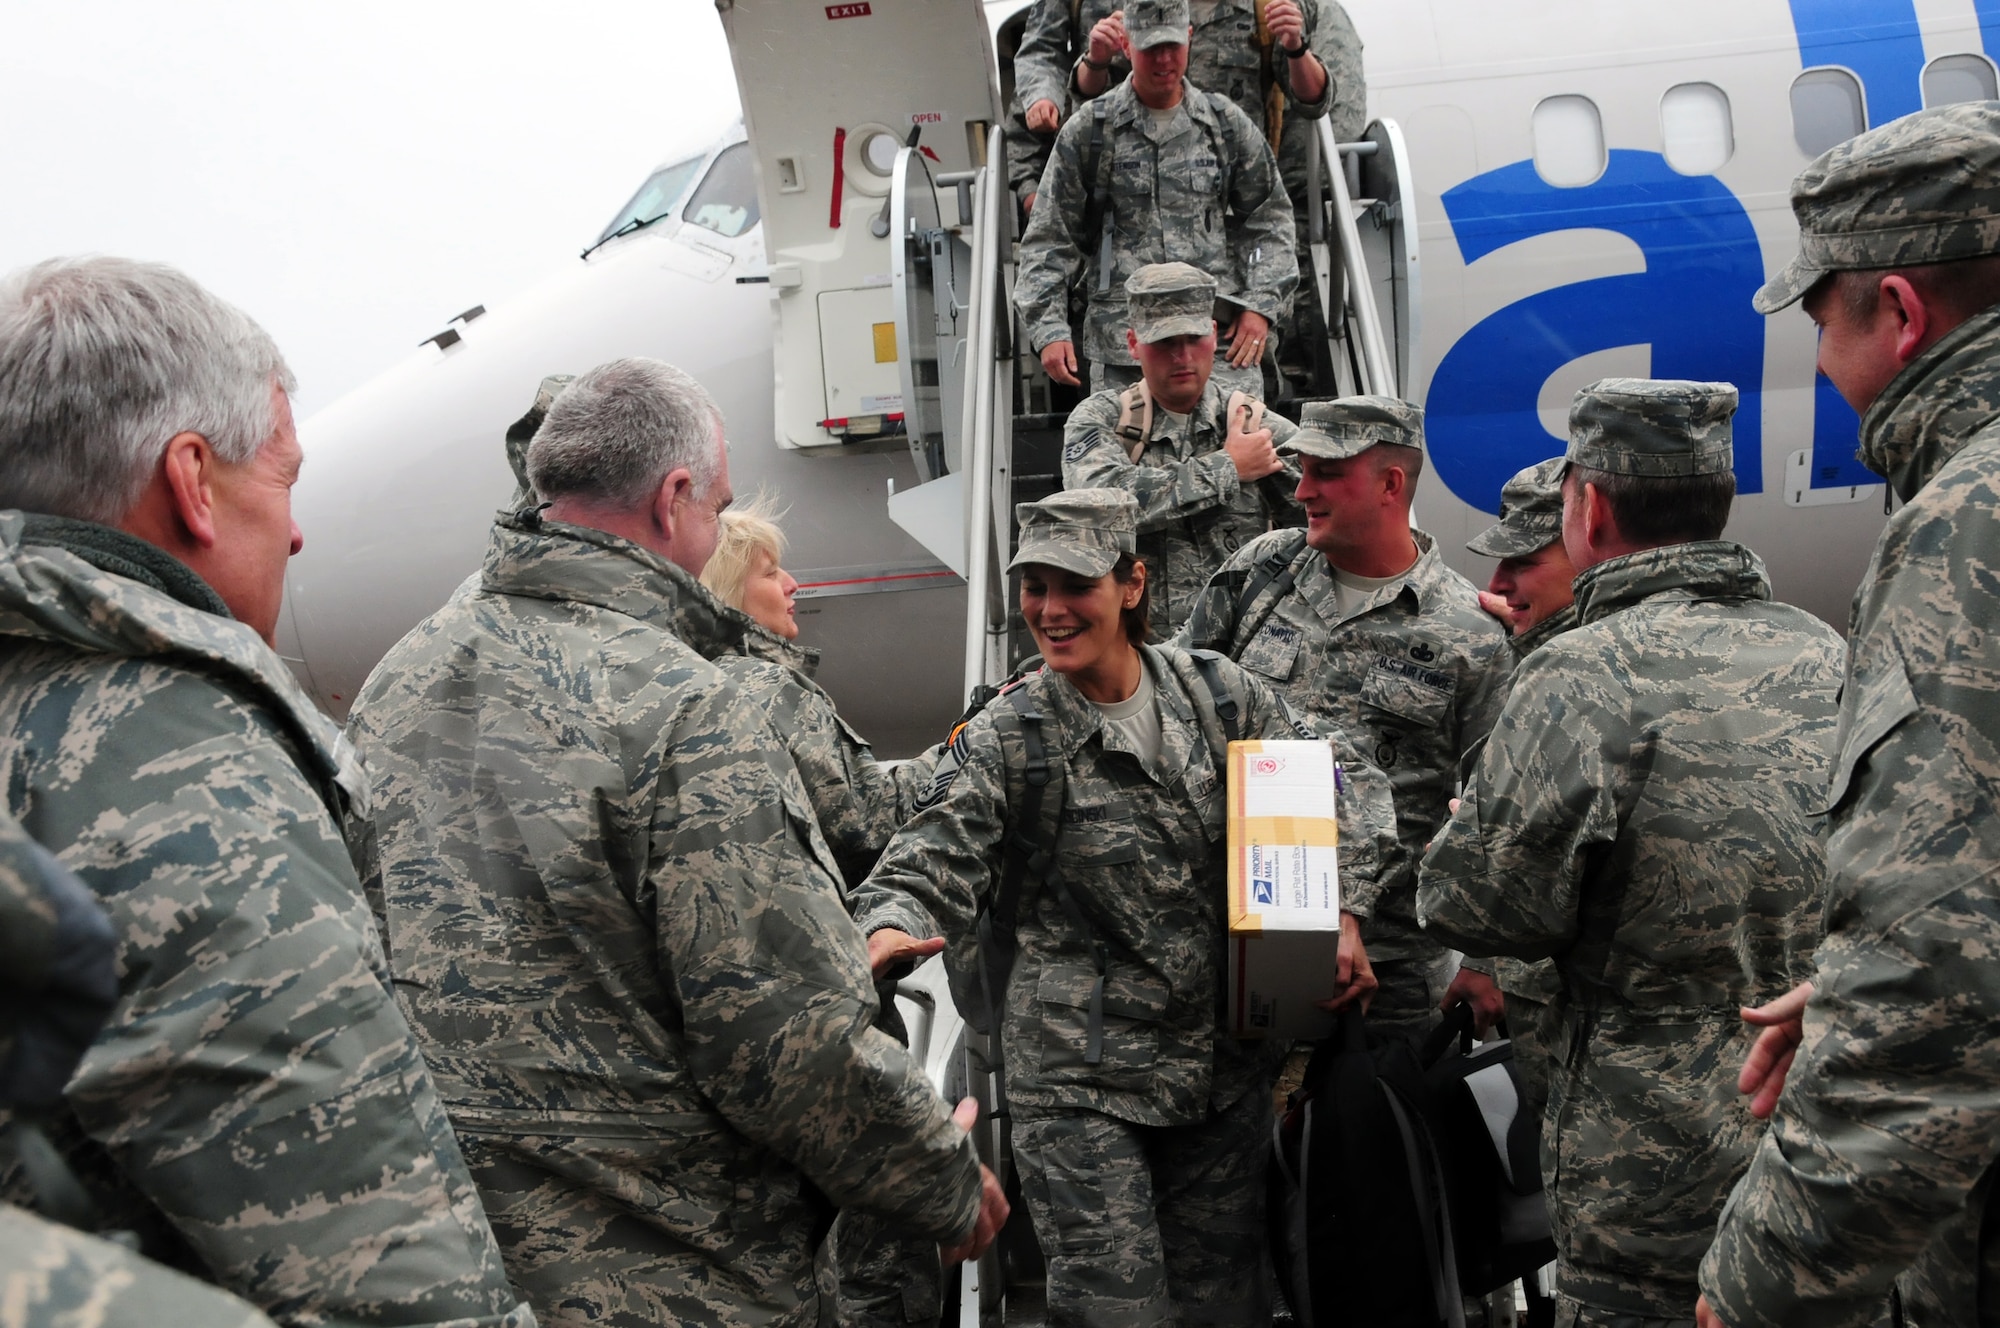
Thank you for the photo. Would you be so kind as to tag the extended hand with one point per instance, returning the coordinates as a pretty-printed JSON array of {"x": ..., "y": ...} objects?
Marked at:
[
  {"x": 1497, "y": 606},
  {"x": 1489, "y": 1006},
  {"x": 993, "y": 1208},
  {"x": 1246, "y": 339},
  {"x": 1770, "y": 1058},
  {"x": 1059, "y": 361},
  {"x": 1353, "y": 976},
  {"x": 889, "y": 948}
]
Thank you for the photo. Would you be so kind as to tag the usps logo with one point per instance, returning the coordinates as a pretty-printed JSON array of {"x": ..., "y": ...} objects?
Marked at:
[
  {"x": 1263, "y": 891},
  {"x": 1266, "y": 766}
]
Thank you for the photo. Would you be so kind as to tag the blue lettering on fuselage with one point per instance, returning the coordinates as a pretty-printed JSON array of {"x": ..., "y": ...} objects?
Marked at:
[{"x": 1692, "y": 304}]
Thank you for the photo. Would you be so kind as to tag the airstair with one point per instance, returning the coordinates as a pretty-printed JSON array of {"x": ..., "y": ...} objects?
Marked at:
[{"x": 889, "y": 230}]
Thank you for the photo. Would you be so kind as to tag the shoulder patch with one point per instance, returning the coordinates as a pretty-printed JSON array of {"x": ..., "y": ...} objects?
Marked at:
[
  {"x": 950, "y": 762},
  {"x": 1078, "y": 447}
]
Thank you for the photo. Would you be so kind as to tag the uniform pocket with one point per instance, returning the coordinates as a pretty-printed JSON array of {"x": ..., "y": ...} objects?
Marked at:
[
  {"x": 1272, "y": 652},
  {"x": 1134, "y": 1004},
  {"x": 1886, "y": 702},
  {"x": 1417, "y": 696}
]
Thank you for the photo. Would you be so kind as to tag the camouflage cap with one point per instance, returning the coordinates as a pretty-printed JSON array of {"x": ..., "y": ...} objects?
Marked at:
[
  {"x": 1150, "y": 23},
  {"x": 1078, "y": 530},
  {"x": 1652, "y": 426},
  {"x": 1922, "y": 189},
  {"x": 1336, "y": 430},
  {"x": 1531, "y": 513},
  {"x": 1170, "y": 300}
]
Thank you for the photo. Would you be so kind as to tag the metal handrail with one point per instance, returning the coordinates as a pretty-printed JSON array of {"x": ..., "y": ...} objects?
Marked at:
[
  {"x": 1377, "y": 369},
  {"x": 976, "y": 451}
]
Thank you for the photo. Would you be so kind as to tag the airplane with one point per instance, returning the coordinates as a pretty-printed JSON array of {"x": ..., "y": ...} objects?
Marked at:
[{"x": 1597, "y": 189}]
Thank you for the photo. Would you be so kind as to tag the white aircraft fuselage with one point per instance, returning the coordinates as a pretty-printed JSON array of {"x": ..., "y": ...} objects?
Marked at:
[{"x": 1600, "y": 189}]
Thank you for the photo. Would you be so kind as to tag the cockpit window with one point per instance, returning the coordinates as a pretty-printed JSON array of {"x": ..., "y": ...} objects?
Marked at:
[
  {"x": 726, "y": 200},
  {"x": 655, "y": 198}
]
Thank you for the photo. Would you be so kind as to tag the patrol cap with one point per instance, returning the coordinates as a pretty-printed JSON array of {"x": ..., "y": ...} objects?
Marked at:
[
  {"x": 1170, "y": 300},
  {"x": 1150, "y": 23},
  {"x": 1922, "y": 189},
  {"x": 1652, "y": 426},
  {"x": 1531, "y": 513},
  {"x": 1336, "y": 430},
  {"x": 1078, "y": 530}
]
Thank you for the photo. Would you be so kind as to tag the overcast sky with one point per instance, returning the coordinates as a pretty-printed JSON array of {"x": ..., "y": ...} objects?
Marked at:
[{"x": 351, "y": 174}]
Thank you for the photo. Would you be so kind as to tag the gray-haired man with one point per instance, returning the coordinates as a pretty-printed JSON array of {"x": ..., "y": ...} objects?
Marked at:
[
  {"x": 256, "y": 1107},
  {"x": 624, "y": 943}
]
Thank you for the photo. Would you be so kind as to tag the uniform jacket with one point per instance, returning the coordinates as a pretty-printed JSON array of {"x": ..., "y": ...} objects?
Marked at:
[
  {"x": 256, "y": 1107},
  {"x": 1144, "y": 854},
  {"x": 622, "y": 942},
  {"x": 1204, "y": 190},
  {"x": 1224, "y": 57},
  {"x": 1891, "y": 1111},
  {"x": 1193, "y": 511},
  {"x": 1643, "y": 813},
  {"x": 1416, "y": 675},
  {"x": 858, "y": 802}
]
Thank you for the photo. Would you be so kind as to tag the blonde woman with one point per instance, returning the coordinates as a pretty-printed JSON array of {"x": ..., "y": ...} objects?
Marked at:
[{"x": 744, "y": 571}]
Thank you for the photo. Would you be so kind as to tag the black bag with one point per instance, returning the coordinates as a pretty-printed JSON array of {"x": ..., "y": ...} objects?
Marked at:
[
  {"x": 1360, "y": 1232},
  {"x": 1490, "y": 1145}
]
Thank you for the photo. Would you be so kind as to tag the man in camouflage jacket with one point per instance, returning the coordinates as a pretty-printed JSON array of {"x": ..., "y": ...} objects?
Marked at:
[
  {"x": 620, "y": 933},
  {"x": 1181, "y": 176},
  {"x": 1879, "y": 1162},
  {"x": 1206, "y": 483},
  {"x": 256, "y": 1089},
  {"x": 1643, "y": 815},
  {"x": 1359, "y": 624}
]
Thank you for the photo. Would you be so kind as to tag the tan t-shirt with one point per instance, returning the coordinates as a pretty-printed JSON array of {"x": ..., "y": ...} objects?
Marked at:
[{"x": 1136, "y": 719}]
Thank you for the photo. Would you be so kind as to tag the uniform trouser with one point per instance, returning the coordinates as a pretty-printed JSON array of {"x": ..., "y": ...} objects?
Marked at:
[
  {"x": 1146, "y": 1225},
  {"x": 1406, "y": 999},
  {"x": 1226, "y": 376},
  {"x": 1531, "y": 1028}
]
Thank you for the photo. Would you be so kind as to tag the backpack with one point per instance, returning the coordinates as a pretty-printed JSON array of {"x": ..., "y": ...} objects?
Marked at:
[{"x": 1490, "y": 1146}]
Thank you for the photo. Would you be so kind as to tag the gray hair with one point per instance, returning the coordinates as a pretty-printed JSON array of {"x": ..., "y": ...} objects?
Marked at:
[
  {"x": 102, "y": 362},
  {"x": 617, "y": 432}
]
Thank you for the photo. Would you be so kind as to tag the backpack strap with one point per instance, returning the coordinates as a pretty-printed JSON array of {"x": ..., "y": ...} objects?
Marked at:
[
  {"x": 1254, "y": 419},
  {"x": 1095, "y": 167},
  {"x": 1136, "y": 400},
  {"x": 1278, "y": 570},
  {"x": 1209, "y": 665},
  {"x": 1274, "y": 92}
]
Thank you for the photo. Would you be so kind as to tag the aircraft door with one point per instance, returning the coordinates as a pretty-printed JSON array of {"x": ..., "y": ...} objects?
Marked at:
[{"x": 929, "y": 266}]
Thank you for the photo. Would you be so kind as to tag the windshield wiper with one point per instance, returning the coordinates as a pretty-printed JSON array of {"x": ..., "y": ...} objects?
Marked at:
[{"x": 636, "y": 224}]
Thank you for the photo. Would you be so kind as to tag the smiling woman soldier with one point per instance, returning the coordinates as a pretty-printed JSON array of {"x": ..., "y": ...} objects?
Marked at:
[{"x": 1140, "y": 1126}]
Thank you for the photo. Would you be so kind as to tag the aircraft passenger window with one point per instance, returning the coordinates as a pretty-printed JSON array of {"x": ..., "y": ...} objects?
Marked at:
[
  {"x": 1956, "y": 78},
  {"x": 1827, "y": 108},
  {"x": 655, "y": 199},
  {"x": 726, "y": 200},
  {"x": 1695, "y": 128},
  {"x": 1569, "y": 141}
]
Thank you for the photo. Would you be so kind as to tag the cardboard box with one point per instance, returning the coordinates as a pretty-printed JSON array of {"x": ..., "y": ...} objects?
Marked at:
[{"x": 1284, "y": 888}]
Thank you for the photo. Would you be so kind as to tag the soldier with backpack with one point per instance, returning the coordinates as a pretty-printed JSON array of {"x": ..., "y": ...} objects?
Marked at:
[
  {"x": 1202, "y": 463},
  {"x": 1157, "y": 171},
  {"x": 1078, "y": 821}
]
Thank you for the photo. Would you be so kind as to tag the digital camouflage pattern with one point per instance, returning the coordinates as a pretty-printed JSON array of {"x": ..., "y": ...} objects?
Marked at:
[
  {"x": 1917, "y": 190},
  {"x": 1643, "y": 814},
  {"x": 1170, "y": 300},
  {"x": 1194, "y": 512},
  {"x": 1347, "y": 427},
  {"x": 1151, "y": 1224},
  {"x": 1415, "y": 674},
  {"x": 1224, "y": 57},
  {"x": 1653, "y": 426},
  {"x": 256, "y": 1108},
  {"x": 1158, "y": 1125},
  {"x": 621, "y": 940},
  {"x": 1204, "y": 191},
  {"x": 522, "y": 432},
  {"x": 1891, "y": 1113},
  {"x": 1531, "y": 512},
  {"x": 1144, "y": 853},
  {"x": 54, "y": 1277},
  {"x": 1085, "y": 530}
]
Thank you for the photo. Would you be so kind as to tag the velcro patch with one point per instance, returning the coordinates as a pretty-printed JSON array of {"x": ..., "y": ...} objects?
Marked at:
[{"x": 1403, "y": 668}]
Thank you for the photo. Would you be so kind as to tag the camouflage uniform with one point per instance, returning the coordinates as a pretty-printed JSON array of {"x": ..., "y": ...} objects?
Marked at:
[
  {"x": 1530, "y": 520},
  {"x": 58, "y": 980},
  {"x": 1889, "y": 1127},
  {"x": 1143, "y": 1172},
  {"x": 1224, "y": 57},
  {"x": 1203, "y": 191},
  {"x": 256, "y": 1108},
  {"x": 1415, "y": 672},
  {"x": 1193, "y": 510},
  {"x": 620, "y": 937},
  {"x": 1642, "y": 814}
]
